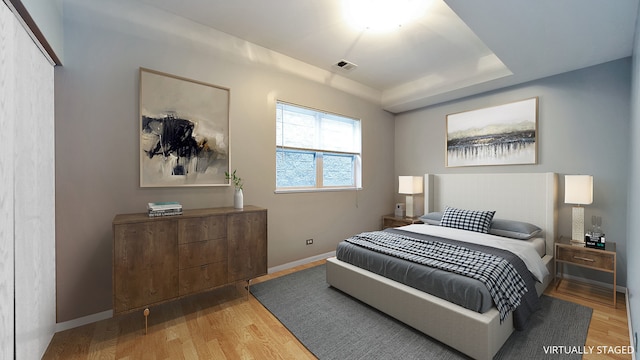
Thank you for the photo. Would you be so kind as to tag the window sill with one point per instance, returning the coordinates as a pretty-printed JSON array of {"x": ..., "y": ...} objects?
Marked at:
[{"x": 308, "y": 190}]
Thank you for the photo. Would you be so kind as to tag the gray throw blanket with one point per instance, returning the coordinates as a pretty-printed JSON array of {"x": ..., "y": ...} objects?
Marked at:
[{"x": 503, "y": 280}]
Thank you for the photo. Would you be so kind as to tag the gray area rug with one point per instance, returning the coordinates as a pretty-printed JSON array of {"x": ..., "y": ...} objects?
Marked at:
[{"x": 333, "y": 325}]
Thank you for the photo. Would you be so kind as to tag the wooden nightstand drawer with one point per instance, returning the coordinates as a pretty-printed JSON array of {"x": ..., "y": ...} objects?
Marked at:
[
  {"x": 389, "y": 221},
  {"x": 394, "y": 223},
  {"x": 580, "y": 256},
  {"x": 568, "y": 253}
]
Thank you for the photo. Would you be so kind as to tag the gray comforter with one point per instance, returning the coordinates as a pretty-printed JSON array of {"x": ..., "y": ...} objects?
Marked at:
[{"x": 458, "y": 289}]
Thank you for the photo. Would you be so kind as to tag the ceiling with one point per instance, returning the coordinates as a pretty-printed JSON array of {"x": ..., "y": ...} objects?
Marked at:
[{"x": 457, "y": 48}]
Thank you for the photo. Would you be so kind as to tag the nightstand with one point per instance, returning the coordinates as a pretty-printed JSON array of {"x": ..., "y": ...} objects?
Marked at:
[
  {"x": 579, "y": 255},
  {"x": 393, "y": 221}
]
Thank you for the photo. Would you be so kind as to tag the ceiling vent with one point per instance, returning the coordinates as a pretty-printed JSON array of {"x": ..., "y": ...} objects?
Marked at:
[{"x": 345, "y": 65}]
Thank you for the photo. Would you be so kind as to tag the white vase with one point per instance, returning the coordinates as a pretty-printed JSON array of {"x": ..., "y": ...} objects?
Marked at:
[{"x": 238, "y": 199}]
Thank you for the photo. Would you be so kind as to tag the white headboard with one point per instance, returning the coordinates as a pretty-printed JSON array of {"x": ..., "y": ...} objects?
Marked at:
[{"x": 530, "y": 197}]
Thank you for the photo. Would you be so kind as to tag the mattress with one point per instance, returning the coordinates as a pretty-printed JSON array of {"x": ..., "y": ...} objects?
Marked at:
[
  {"x": 458, "y": 289},
  {"x": 539, "y": 245}
]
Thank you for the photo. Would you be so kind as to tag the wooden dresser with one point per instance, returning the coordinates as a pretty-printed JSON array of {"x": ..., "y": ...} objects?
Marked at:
[{"x": 158, "y": 259}]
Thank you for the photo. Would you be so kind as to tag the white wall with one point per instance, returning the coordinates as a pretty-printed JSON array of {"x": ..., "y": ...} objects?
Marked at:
[
  {"x": 27, "y": 242},
  {"x": 583, "y": 128},
  {"x": 97, "y": 132}
]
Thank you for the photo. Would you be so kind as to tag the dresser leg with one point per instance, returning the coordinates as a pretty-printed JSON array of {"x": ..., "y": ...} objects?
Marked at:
[
  {"x": 615, "y": 291},
  {"x": 146, "y": 315}
]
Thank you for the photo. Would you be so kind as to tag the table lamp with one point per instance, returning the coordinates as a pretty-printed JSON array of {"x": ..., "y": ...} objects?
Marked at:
[
  {"x": 410, "y": 185},
  {"x": 578, "y": 190}
]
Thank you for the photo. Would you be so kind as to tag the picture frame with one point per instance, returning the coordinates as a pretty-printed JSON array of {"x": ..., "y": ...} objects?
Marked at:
[
  {"x": 184, "y": 131},
  {"x": 499, "y": 135}
]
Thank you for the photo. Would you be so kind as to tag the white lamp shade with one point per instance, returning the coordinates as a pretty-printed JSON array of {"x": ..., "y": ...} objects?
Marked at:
[
  {"x": 409, "y": 184},
  {"x": 578, "y": 189}
]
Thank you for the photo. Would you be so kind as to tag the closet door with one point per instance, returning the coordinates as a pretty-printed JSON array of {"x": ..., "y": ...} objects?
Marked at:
[
  {"x": 27, "y": 129},
  {"x": 7, "y": 92}
]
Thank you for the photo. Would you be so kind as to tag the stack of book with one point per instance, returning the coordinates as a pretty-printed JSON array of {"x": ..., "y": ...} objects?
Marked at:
[{"x": 166, "y": 208}]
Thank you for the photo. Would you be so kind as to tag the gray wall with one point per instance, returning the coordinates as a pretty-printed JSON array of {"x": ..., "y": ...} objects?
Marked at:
[
  {"x": 97, "y": 142},
  {"x": 47, "y": 14},
  {"x": 633, "y": 246},
  {"x": 583, "y": 125}
]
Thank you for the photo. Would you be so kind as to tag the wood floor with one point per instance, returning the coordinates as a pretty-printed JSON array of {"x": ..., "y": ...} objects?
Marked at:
[
  {"x": 230, "y": 324},
  {"x": 608, "y": 327}
]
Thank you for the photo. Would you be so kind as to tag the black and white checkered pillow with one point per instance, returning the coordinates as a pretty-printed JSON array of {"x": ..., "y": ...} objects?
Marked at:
[{"x": 478, "y": 221}]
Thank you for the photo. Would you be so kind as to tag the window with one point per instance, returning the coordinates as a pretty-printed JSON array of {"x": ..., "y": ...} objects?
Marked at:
[{"x": 316, "y": 150}]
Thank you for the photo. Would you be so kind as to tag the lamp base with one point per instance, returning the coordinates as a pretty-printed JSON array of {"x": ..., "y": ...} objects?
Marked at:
[
  {"x": 409, "y": 208},
  {"x": 577, "y": 224}
]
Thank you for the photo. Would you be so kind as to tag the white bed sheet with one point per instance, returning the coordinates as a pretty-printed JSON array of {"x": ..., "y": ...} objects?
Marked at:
[{"x": 525, "y": 250}]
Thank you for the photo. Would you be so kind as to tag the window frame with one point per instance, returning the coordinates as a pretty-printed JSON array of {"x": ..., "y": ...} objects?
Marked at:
[{"x": 320, "y": 153}]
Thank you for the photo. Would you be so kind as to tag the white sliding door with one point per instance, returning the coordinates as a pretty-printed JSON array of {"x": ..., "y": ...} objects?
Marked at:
[
  {"x": 27, "y": 198},
  {"x": 7, "y": 60}
]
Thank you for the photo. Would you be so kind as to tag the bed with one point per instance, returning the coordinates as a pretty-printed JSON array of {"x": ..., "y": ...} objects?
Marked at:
[{"x": 528, "y": 197}]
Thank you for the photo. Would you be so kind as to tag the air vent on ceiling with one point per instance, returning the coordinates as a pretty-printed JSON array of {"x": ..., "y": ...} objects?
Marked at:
[{"x": 345, "y": 65}]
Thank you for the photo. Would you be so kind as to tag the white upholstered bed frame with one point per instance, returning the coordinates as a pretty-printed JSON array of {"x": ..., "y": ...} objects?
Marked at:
[{"x": 530, "y": 197}]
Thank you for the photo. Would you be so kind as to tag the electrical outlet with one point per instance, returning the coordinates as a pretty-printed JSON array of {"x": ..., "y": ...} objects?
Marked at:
[{"x": 309, "y": 241}]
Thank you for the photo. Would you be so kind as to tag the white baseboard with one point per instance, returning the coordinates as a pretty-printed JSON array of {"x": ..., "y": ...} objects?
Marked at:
[
  {"x": 301, "y": 262},
  {"x": 83, "y": 320},
  {"x": 109, "y": 313}
]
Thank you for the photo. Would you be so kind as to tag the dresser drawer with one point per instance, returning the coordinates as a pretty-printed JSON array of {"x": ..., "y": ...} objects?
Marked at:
[
  {"x": 199, "y": 229},
  {"x": 202, "y": 277},
  {"x": 580, "y": 256},
  {"x": 202, "y": 252},
  {"x": 144, "y": 287}
]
